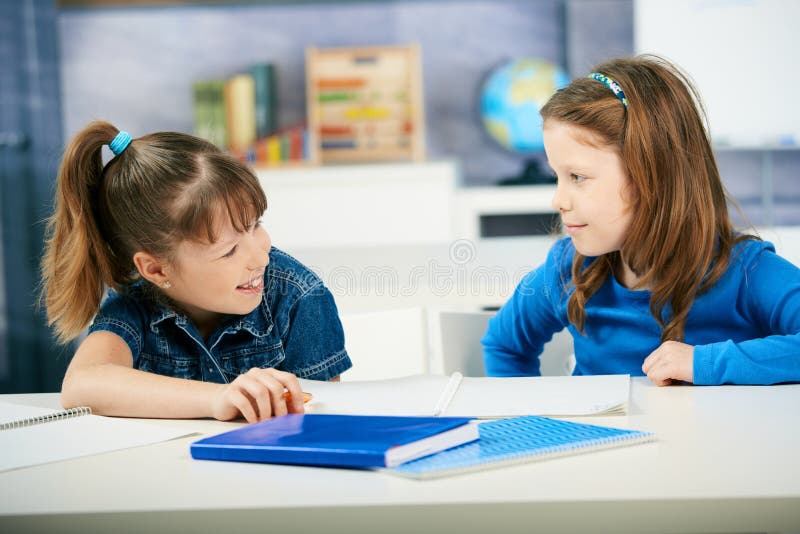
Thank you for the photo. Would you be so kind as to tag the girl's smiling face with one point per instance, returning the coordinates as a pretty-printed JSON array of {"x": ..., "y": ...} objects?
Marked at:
[
  {"x": 209, "y": 280},
  {"x": 591, "y": 192}
]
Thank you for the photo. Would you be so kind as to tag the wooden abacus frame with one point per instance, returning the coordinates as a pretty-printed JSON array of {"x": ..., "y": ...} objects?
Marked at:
[{"x": 365, "y": 104}]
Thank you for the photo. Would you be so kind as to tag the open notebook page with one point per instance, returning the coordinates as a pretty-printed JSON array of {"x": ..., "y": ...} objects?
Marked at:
[
  {"x": 472, "y": 397},
  {"x": 82, "y": 435},
  {"x": 14, "y": 412},
  {"x": 540, "y": 395},
  {"x": 411, "y": 395}
]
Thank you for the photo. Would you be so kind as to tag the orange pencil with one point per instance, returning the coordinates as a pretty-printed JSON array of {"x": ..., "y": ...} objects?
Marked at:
[{"x": 306, "y": 396}]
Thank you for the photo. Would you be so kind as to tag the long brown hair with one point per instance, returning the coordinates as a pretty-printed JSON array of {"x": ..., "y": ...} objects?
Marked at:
[
  {"x": 680, "y": 237},
  {"x": 164, "y": 188}
]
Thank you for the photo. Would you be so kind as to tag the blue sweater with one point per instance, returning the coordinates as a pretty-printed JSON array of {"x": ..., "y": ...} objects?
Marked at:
[{"x": 745, "y": 329}]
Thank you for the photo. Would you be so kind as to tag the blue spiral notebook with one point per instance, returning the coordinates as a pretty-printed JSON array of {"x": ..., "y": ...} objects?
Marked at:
[{"x": 520, "y": 439}]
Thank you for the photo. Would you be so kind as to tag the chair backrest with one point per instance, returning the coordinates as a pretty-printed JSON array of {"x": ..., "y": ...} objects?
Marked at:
[
  {"x": 558, "y": 357},
  {"x": 456, "y": 342},
  {"x": 411, "y": 341},
  {"x": 456, "y": 345},
  {"x": 386, "y": 343}
]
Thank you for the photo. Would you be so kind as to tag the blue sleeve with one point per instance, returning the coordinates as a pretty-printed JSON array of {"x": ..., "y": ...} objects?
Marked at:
[
  {"x": 516, "y": 335},
  {"x": 121, "y": 315},
  {"x": 314, "y": 341},
  {"x": 770, "y": 296}
]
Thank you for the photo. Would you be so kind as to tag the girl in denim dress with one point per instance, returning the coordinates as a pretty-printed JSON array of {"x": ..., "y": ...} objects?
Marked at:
[{"x": 203, "y": 318}]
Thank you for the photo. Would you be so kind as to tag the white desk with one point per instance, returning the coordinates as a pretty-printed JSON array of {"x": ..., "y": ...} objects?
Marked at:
[{"x": 726, "y": 461}]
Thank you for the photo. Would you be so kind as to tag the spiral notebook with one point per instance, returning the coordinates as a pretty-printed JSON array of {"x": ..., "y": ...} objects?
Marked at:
[
  {"x": 517, "y": 440},
  {"x": 30, "y": 435}
]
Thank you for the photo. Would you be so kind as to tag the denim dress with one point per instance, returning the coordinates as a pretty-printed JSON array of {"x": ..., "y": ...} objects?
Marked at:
[{"x": 295, "y": 328}]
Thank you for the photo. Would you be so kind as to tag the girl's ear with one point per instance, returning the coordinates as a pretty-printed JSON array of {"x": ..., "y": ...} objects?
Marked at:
[
  {"x": 629, "y": 192},
  {"x": 151, "y": 268}
]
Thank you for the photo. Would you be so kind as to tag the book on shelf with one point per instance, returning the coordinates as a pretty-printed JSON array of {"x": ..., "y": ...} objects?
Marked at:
[
  {"x": 337, "y": 440},
  {"x": 285, "y": 146},
  {"x": 517, "y": 440},
  {"x": 219, "y": 132},
  {"x": 482, "y": 397},
  {"x": 30, "y": 435},
  {"x": 209, "y": 111},
  {"x": 240, "y": 112},
  {"x": 201, "y": 109},
  {"x": 266, "y": 98}
]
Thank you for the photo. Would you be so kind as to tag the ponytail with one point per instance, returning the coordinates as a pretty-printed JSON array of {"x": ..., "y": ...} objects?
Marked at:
[{"x": 77, "y": 263}]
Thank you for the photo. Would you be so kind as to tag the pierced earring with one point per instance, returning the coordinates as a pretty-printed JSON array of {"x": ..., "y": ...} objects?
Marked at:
[{"x": 167, "y": 284}]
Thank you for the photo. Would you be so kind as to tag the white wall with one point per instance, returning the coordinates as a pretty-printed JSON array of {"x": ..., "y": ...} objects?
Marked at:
[{"x": 743, "y": 57}]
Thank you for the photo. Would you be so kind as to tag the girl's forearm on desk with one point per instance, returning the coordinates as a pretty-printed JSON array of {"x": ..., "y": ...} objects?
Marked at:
[{"x": 111, "y": 389}]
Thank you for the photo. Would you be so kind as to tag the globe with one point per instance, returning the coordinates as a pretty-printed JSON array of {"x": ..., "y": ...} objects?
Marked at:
[{"x": 511, "y": 99}]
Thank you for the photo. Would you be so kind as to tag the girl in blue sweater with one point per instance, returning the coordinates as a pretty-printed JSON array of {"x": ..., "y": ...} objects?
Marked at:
[{"x": 652, "y": 278}]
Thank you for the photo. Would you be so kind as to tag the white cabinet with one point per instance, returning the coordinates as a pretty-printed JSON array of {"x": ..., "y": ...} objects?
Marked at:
[
  {"x": 402, "y": 234},
  {"x": 386, "y": 204},
  {"x": 476, "y": 203},
  {"x": 360, "y": 205}
]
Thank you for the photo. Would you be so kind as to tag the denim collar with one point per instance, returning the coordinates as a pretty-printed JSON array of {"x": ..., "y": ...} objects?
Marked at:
[{"x": 258, "y": 322}]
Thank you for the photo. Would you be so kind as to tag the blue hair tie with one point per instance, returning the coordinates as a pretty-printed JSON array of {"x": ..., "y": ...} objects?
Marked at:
[
  {"x": 611, "y": 84},
  {"x": 120, "y": 143}
]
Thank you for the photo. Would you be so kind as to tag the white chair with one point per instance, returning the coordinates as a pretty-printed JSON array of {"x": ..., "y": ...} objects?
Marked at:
[
  {"x": 456, "y": 342},
  {"x": 558, "y": 357},
  {"x": 456, "y": 345},
  {"x": 411, "y": 341},
  {"x": 386, "y": 343}
]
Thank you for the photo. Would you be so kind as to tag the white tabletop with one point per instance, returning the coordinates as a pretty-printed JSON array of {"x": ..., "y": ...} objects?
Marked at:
[{"x": 725, "y": 461}]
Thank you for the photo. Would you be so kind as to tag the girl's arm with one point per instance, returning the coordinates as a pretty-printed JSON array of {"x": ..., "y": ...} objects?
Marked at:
[
  {"x": 517, "y": 334},
  {"x": 101, "y": 375},
  {"x": 769, "y": 297},
  {"x": 314, "y": 338}
]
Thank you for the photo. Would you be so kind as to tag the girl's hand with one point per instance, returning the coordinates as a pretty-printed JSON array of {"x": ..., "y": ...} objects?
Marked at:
[
  {"x": 258, "y": 394},
  {"x": 671, "y": 361}
]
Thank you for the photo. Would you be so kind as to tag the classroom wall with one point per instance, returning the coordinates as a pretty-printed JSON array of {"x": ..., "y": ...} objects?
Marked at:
[
  {"x": 134, "y": 66},
  {"x": 751, "y": 44}
]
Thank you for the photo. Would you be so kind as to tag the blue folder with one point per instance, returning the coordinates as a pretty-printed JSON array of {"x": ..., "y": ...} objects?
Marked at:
[
  {"x": 337, "y": 440},
  {"x": 521, "y": 439}
]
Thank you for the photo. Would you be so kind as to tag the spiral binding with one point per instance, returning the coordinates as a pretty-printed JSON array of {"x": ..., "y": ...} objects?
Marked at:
[{"x": 57, "y": 416}]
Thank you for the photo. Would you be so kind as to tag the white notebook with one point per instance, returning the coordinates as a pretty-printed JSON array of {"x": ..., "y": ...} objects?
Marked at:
[
  {"x": 484, "y": 397},
  {"x": 30, "y": 435}
]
